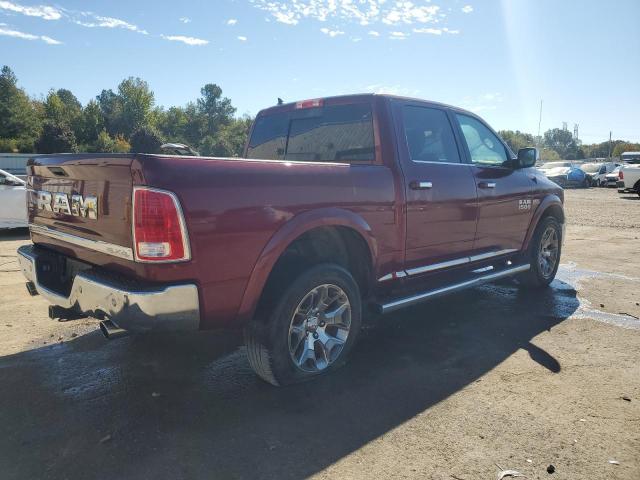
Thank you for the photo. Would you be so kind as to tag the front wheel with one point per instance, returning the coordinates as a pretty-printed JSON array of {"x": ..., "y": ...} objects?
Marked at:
[
  {"x": 543, "y": 254},
  {"x": 310, "y": 329}
]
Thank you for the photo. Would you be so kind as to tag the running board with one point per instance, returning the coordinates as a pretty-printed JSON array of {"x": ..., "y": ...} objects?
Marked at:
[{"x": 421, "y": 297}]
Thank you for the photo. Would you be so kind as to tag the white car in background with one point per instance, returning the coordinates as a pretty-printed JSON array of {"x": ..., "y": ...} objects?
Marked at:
[
  {"x": 597, "y": 172},
  {"x": 13, "y": 201},
  {"x": 611, "y": 179}
]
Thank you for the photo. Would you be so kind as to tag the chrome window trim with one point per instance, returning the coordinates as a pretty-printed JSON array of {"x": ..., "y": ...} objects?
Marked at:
[
  {"x": 95, "y": 245},
  {"x": 186, "y": 244},
  {"x": 440, "y": 163}
]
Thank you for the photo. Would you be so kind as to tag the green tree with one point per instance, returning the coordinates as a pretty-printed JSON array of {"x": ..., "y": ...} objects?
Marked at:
[
  {"x": 93, "y": 122},
  {"x": 111, "y": 109},
  {"x": 622, "y": 147},
  {"x": 563, "y": 143},
  {"x": 136, "y": 100},
  {"x": 216, "y": 109},
  {"x": 20, "y": 118},
  {"x": 56, "y": 138},
  {"x": 517, "y": 140},
  {"x": 146, "y": 140},
  {"x": 548, "y": 155}
]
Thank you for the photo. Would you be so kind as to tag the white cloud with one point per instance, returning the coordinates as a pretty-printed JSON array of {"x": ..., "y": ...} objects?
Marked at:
[
  {"x": 185, "y": 19},
  {"x": 185, "y": 40},
  {"x": 242, "y": 38},
  {"x": 429, "y": 30},
  {"x": 398, "y": 13},
  {"x": 467, "y": 9},
  {"x": 373, "y": 33},
  {"x": 435, "y": 31},
  {"x": 42, "y": 11},
  {"x": 98, "y": 21},
  {"x": 398, "y": 35},
  {"x": 7, "y": 32},
  {"x": 331, "y": 33},
  {"x": 232, "y": 21}
]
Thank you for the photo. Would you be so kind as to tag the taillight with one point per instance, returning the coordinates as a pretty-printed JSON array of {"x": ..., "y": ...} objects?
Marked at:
[
  {"x": 159, "y": 232},
  {"x": 620, "y": 175},
  {"x": 316, "y": 102}
]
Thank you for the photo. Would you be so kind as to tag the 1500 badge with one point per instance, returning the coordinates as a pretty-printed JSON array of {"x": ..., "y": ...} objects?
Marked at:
[
  {"x": 524, "y": 204},
  {"x": 78, "y": 206}
]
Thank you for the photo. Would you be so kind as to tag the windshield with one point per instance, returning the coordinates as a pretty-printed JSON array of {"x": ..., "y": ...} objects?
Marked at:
[{"x": 591, "y": 167}]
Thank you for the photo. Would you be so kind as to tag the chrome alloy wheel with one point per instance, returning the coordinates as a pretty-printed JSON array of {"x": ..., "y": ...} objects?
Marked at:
[
  {"x": 319, "y": 328},
  {"x": 548, "y": 253}
]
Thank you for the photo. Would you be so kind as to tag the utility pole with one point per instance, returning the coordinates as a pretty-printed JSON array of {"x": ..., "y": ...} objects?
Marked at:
[
  {"x": 609, "y": 145},
  {"x": 540, "y": 123}
]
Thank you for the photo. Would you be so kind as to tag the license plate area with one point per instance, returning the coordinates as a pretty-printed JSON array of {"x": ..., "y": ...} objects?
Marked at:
[{"x": 56, "y": 272}]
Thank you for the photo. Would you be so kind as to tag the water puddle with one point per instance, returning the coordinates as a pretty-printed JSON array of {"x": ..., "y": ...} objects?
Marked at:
[{"x": 574, "y": 276}]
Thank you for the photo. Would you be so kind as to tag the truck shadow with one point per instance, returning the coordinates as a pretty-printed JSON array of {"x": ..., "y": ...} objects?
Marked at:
[{"x": 190, "y": 407}]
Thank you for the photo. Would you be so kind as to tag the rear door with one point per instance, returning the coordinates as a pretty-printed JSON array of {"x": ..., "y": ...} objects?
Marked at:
[
  {"x": 440, "y": 189},
  {"x": 505, "y": 194}
]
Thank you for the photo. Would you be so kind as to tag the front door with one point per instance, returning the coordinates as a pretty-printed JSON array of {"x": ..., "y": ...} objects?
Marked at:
[
  {"x": 440, "y": 190},
  {"x": 505, "y": 195}
]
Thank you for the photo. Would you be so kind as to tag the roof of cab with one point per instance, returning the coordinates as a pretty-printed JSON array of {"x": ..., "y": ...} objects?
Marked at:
[{"x": 342, "y": 99}]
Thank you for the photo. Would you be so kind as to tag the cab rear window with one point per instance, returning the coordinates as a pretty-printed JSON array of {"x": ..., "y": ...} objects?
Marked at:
[{"x": 336, "y": 133}]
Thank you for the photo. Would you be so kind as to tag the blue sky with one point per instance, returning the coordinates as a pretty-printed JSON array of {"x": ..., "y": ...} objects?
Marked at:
[{"x": 497, "y": 58}]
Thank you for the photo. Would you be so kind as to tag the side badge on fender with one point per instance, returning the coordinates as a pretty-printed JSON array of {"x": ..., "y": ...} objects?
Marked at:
[{"x": 524, "y": 204}]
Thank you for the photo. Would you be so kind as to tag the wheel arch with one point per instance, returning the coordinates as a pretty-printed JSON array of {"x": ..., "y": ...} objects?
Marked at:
[
  {"x": 551, "y": 205},
  {"x": 351, "y": 228}
]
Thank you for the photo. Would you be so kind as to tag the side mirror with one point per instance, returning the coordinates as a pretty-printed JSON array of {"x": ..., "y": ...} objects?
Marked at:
[{"x": 527, "y": 157}]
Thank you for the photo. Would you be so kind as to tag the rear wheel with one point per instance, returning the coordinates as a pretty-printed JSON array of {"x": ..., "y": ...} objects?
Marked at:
[
  {"x": 310, "y": 329},
  {"x": 543, "y": 254}
]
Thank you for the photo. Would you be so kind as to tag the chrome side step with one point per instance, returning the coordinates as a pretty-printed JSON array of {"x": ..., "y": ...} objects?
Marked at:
[{"x": 474, "y": 282}]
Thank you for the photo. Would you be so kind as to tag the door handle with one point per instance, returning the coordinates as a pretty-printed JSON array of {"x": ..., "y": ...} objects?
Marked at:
[
  {"x": 415, "y": 185},
  {"x": 487, "y": 185}
]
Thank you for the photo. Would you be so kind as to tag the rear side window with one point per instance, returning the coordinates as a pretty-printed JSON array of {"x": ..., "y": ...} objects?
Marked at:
[
  {"x": 484, "y": 146},
  {"x": 338, "y": 133},
  {"x": 429, "y": 135}
]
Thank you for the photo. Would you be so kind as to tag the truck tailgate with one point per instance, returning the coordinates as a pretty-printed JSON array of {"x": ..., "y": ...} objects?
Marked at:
[{"x": 61, "y": 189}]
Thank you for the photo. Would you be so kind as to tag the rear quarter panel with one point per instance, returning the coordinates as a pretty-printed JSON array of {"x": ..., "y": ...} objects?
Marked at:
[{"x": 233, "y": 207}]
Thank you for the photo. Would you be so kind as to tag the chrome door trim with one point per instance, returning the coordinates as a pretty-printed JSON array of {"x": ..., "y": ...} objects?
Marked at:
[
  {"x": 450, "y": 263},
  {"x": 95, "y": 245},
  {"x": 437, "y": 266},
  {"x": 484, "y": 256}
]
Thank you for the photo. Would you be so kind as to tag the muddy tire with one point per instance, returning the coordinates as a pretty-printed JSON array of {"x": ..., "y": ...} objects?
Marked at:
[
  {"x": 310, "y": 328},
  {"x": 543, "y": 254}
]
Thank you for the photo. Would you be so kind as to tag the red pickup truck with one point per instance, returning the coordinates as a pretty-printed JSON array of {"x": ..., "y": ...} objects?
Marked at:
[{"x": 341, "y": 207}]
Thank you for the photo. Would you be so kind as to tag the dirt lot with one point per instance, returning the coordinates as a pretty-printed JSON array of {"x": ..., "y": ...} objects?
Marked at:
[{"x": 449, "y": 390}]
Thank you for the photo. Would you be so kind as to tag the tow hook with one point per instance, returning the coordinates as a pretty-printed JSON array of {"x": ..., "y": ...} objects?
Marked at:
[
  {"x": 56, "y": 312},
  {"x": 111, "y": 331},
  {"x": 31, "y": 288}
]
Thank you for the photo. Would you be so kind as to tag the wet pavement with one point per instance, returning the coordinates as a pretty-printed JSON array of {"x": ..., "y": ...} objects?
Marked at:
[{"x": 188, "y": 407}]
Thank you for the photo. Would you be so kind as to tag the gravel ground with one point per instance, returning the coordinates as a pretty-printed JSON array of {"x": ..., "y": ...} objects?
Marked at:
[{"x": 448, "y": 390}]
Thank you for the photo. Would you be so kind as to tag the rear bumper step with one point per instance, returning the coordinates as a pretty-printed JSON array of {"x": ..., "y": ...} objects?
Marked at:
[
  {"x": 429, "y": 294},
  {"x": 164, "y": 307}
]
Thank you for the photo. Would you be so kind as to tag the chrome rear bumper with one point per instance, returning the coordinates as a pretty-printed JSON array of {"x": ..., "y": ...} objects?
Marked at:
[{"x": 170, "y": 307}]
